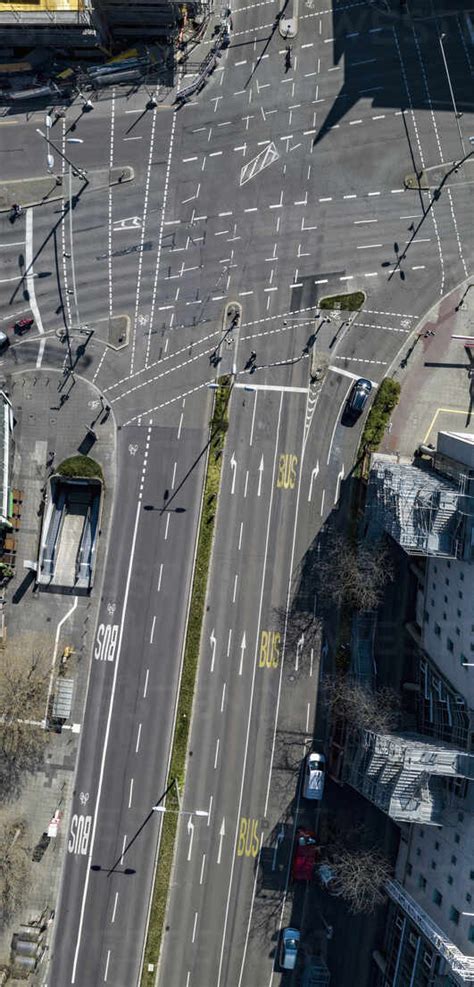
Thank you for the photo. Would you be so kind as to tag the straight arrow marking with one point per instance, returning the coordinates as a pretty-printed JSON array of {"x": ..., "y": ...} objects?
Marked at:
[
  {"x": 260, "y": 471},
  {"x": 242, "y": 651},
  {"x": 233, "y": 466},
  {"x": 213, "y": 642},
  {"x": 221, "y": 837}
]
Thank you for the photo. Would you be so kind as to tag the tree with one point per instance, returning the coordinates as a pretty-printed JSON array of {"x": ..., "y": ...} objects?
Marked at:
[
  {"x": 25, "y": 667},
  {"x": 14, "y": 866},
  {"x": 354, "y": 573},
  {"x": 362, "y": 708},
  {"x": 359, "y": 877}
]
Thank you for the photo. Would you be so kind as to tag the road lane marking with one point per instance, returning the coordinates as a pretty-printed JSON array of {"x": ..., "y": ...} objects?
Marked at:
[
  {"x": 30, "y": 284},
  {"x": 252, "y": 691},
  {"x": 269, "y": 656},
  {"x": 236, "y": 579},
  {"x": 223, "y": 697},
  {"x": 139, "y": 733},
  {"x": 202, "y": 868},
  {"x": 216, "y": 755},
  {"x": 194, "y": 926},
  {"x": 107, "y": 965},
  {"x": 167, "y": 525},
  {"x": 130, "y": 794},
  {"x": 240, "y": 535},
  {"x": 229, "y": 638},
  {"x": 282, "y": 388},
  {"x": 123, "y": 849},
  {"x": 115, "y": 907},
  {"x": 146, "y": 683},
  {"x": 152, "y": 630}
]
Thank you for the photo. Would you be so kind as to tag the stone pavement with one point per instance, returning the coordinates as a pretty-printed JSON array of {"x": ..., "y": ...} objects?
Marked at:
[
  {"x": 46, "y": 431},
  {"x": 436, "y": 373}
]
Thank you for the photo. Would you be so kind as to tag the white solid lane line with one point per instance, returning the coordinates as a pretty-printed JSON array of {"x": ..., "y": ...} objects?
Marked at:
[
  {"x": 137, "y": 745},
  {"x": 152, "y": 629},
  {"x": 115, "y": 907},
  {"x": 29, "y": 277}
]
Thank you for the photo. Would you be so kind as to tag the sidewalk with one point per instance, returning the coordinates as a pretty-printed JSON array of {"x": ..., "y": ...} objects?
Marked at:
[{"x": 436, "y": 373}]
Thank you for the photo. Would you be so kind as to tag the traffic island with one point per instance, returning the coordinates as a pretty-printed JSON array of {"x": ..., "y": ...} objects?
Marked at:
[
  {"x": 450, "y": 173},
  {"x": 386, "y": 400},
  {"x": 175, "y": 782},
  {"x": 29, "y": 192},
  {"x": 351, "y": 302}
]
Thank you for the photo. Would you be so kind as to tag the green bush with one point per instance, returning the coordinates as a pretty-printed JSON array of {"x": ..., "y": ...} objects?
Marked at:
[
  {"x": 385, "y": 401},
  {"x": 347, "y": 303},
  {"x": 80, "y": 466}
]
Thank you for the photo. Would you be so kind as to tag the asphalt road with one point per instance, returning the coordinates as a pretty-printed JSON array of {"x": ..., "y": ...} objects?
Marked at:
[{"x": 236, "y": 196}]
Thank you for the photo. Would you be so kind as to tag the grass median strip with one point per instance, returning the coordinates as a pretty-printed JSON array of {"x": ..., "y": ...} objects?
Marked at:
[
  {"x": 351, "y": 302},
  {"x": 218, "y": 428}
]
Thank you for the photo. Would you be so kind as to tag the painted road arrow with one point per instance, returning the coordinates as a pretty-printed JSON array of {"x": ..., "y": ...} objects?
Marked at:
[
  {"x": 314, "y": 474},
  {"x": 213, "y": 643},
  {"x": 260, "y": 470},
  {"x": 233, "y": 466},
  {"x": 221, "y": 837},
  {"x": 242, "y": 652}
]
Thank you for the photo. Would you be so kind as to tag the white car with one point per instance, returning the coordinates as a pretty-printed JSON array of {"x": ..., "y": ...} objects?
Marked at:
[{"x": 314, "y": 771}]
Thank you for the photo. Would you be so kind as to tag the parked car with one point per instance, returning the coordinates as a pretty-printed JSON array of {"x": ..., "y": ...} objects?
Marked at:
[
  {"x": 290, "y": 940},
  {"x": 305, "y": 855},
  {"x": 314, "y": 772},
  {"x": 356, "y": 401},
  {"x": 22, "y": 326}
]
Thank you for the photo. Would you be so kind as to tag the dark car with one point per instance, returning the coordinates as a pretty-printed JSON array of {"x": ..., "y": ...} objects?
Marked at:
[
  {"x": 22, "y": 326},
  {"x": 305, "y": 855},
  {"x": 356, "y": 401}
]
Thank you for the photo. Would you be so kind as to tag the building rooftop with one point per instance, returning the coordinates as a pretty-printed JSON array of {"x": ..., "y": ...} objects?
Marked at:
[{"x": 41, "y": 6}]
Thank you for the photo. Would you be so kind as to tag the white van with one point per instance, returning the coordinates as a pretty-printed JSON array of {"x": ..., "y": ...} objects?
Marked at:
[{"x": 314, "y": 772}]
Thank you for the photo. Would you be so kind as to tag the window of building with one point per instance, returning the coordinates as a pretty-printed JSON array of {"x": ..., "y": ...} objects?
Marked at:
[
  {"x": 459, "y": 612},
  {"x": 427, "y": 959},
  {"x": 458, "y": 632},
  {"x": 460, "y": 816},
  {"x": 468, "y": 898},
  {"x": 409, "y": 869},
  {"x": 450, "y": 878},
  {"x": 446, "y": 599},
  {"x": 447, "y": 581},
  {"x": 454, "y": 859},
  {"x": 457, "y": 838},
  {"x": 399, "y": 922},
  {"x": 449, "y": 644},
  {"x": 437, "y": 845},
  {"x": 422, "y": 882},
  {"x": 470, "y": 934},
  {"x": 413, "y": 940},
  {"x": 433, "y": 865},
  {"x": 437, "y": 897},
  {"x": 454, "y": 915},
  {"x": 437, "y": 629}
]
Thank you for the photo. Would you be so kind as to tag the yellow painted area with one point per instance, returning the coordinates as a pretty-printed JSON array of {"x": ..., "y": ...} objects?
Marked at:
[
  {"x": 447, "y": 411},
  {"x": 248, "y": 843},
  {"x": 29, "y": 7},
  {"x": 269, "y": 656},
  {"x": 286, "y": 478}
]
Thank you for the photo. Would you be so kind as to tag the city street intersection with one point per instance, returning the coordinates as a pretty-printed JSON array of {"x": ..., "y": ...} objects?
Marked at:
[{"x": 256, "y": 191}]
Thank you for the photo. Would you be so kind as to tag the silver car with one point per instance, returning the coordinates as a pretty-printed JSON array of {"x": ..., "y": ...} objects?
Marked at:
[
  {"x": 290, "y": 940},
  {"x": 314, "y": 771}
]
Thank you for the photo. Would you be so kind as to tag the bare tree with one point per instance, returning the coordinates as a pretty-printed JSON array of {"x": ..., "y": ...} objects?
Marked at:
[
  {"x": 354, "y": 573},
  {"x": 15, "y": 866},
  {"x": 359, "y": 877},
  {"x": 300, "y": 629},
  {"x": 361, "y": 708},
  {"x": 25, "y": 666}
]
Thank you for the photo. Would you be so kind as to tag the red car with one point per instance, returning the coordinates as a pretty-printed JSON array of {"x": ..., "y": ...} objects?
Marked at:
[
  {"x": 22, "y": 326},
  {"x": 305, "y": 855}
]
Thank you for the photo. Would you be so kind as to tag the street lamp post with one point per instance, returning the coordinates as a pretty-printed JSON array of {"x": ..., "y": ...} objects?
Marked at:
[
  {"x": 457, "y": 115},
  {"x": 78, "y": 171}
]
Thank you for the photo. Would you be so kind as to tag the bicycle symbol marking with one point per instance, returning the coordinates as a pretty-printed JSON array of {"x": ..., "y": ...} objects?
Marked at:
[
  {"x": 84, "y": 798},
  {"x": 133, "y": 450}
]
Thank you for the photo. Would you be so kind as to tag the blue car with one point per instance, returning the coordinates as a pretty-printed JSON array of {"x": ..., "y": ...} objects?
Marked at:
[{"x": 290, "y": 940}]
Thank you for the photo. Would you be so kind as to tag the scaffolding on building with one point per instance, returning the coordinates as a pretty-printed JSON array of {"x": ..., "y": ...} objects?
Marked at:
[
  {"x": 442, "y": 711},
  {"x": 420, "y": 509},
  {"x": 404, "y": 774},
  {"x": 460, "y": 964}
]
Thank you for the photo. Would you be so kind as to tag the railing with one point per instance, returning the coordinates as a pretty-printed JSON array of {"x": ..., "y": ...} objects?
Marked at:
[{"x": 458, "y": 962}]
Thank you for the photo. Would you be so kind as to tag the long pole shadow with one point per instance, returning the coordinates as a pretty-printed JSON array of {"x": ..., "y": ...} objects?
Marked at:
[
  {"x": 140, "y": 829},
  {"x": 269, "y": 39}
]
